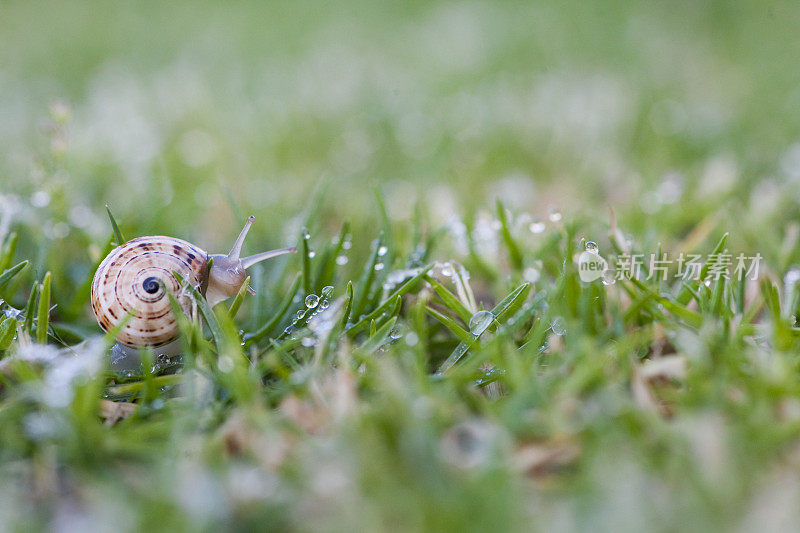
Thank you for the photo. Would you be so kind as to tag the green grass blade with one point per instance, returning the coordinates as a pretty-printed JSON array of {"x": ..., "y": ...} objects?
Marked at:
[
  {"x": 390, "y": 301},
  {"x": 327, "y": 262},
  {"x": 450, "y": 300},
  {"x": 237, "y": 301},
  {"x": 365, "y": 282},
  {"x": 205, "y": 310},
  {"x": 452, "y": 325},
  {"x": 117, "y": 233},
  {"x": 684, "y": 295},
  {"x": 43, "y": 319},
  {"x": 273, "y": 322},
  {"x": 308, "y": 285},
  {"x": 6, "y": 276},
  {"x": 9, "y": 249},
  {"x": 502, "y": 311},
  {"x": 514, "y": 255},
  {"x": 375, "y": 340},
  {"x": 8, "y": 329},
  {"x": 687, "y": 315},
  {"x": 30, "y": 307},
  {"x": 348, "y": 304}
]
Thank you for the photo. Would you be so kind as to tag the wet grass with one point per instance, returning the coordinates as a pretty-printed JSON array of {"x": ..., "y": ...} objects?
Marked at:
[{"x": 431, "y": 359}]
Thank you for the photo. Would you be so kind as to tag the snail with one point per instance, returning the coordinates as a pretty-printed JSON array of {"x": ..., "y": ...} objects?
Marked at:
[{"x": 134, "y": 279}]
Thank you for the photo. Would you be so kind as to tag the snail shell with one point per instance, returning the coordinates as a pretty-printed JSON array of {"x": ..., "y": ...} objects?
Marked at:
[{"x": 133, "y": 278}]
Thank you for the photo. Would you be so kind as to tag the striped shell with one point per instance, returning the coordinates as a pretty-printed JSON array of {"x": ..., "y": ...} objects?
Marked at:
[{"x": 128, "y": 281}]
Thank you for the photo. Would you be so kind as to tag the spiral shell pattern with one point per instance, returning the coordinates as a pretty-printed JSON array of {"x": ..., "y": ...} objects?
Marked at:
[{"x": 132, "y": 278}]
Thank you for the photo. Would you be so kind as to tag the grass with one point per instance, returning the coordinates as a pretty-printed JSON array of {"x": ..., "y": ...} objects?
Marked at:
[{"x": 431, "y": 359}]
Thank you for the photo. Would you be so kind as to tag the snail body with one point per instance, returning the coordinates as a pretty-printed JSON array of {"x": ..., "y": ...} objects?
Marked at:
[{"x": 136, "y": 277}]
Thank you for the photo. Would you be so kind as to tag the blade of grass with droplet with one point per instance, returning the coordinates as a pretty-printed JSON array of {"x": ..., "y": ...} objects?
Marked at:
[
  {"x": 366, "y": 279},
  {"x": 308, "y": 285},
  {"x": 6, "y": 276},
  {"x": 400, "y": 291},
  {"x": 7, "y": 331},
  {"x": 237, "y": 301},
  {"x": 117, "y": 233},
  {"x": 386, "y": 228},
  {"x": 502, "y": 311},
  {"x": 452, "y": 325},
  {"x": 450, "y": 300},
  {"x": 43, "y": 318},
  {"x": 514, "y": 255},
  {"x": 205, "y": 310},
  {"x": 272, "y": 323},
  {"x": 9, "y": 249}
]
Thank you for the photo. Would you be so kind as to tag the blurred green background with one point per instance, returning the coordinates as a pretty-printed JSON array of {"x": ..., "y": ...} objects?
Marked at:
[
  {"x": 172, "y": 111},
  {"x": 185, "y": 117}
]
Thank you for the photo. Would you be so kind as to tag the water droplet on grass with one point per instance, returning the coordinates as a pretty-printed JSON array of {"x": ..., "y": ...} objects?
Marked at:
[
  {"x": 480, "y": 321},
  {"x": 311, "y": 254},
  {"x": 341, "y": 260},
  {"x": 312, "y": 300},
  {"x": 382, "y": 251},
  {"x": 537, "y": 226},
  {"x": 531, "y": 275},
  {"x": 592, "y": 247},
  {"x": 558, "y": 326},
  {"x": 379, "y": 266},
  {"x": 555, "y": 214},
  {"x": 609, "y": 277},
  {"x": 308, "y": 341}
]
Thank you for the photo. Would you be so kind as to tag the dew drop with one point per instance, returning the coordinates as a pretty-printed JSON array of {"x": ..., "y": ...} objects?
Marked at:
[
  {"x": 592, "y": 247},
  {"x": 326, "y": 291},
  {"x": 379, "y": 266},
  {"x": 308, "y": 341},
  {"x": 480, "y": 321},
  {"x": 12, "y": 312},
  {"x": 382, "y": 251},
  {"x": 412, "y": 339},
  {"x": 324, "y": 304},
  {"x": 312, "y": 300},
  {"x": 555, "y": 214},
  {"x": 346, "y": 245},
  {"x": 306, "y": 234},
  {"x": 791, "y": 277},
  {"x": 558, "y": 326},
  {"x": 531, "y": 275},
  {"x": 537, "y": 226},
  {"x": 311, "y": 254},
  {"x": 447, "y": 270},
  {"x": 341, "y": 260},
  {"x": 609, "y": 277},
  {"x": 300, "y": 314}
]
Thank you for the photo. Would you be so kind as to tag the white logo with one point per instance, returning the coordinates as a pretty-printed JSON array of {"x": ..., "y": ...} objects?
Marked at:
[{"x": 591, "y": 266}]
